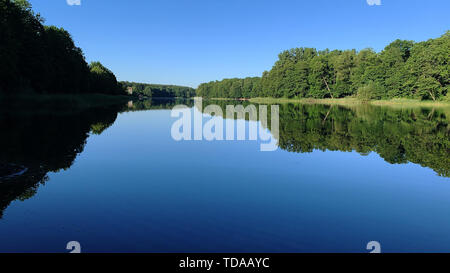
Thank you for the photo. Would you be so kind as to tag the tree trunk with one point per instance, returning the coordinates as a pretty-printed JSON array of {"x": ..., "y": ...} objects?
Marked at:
[
  {"x": 329, "y": 90},
  {"x": 326, "y": 117},
  {"x": 430, "y": 116},
  {"x": 432, "y": 96}
]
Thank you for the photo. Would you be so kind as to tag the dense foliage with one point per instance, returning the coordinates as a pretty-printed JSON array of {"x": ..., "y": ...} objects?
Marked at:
[
  {"x": 103, "y": 80},
  {"x": 231, "y": 88},
  {"x": 159, "y": 90},
  {"x": 403, "y": 69},
  {"x": 44, "y": 59}
]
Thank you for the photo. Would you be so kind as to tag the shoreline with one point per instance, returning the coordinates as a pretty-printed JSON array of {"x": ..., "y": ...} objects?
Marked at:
[
  {"x": 354, "y": 102},
  {"x": 67, "y": 100}
]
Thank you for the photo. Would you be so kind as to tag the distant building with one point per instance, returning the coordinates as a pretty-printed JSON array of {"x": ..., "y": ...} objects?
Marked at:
[{"x": 130, "y": 90}]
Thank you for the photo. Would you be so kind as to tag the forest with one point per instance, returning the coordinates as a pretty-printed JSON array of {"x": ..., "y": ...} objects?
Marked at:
[
  {"x": 39, "y": 59},
  {"x": 404, "y": 69},
  {"x": 159, "y": 90}
]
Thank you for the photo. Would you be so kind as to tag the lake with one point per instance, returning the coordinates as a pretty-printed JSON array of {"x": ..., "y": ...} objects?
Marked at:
[{"x": 114, "y": 179}]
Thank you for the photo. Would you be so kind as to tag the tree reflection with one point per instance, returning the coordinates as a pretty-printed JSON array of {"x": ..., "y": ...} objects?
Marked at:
[
  {"x": 398, "y": 135},
  {"x": 35, "y": 141},
  {"x": 42, "y": 137}
]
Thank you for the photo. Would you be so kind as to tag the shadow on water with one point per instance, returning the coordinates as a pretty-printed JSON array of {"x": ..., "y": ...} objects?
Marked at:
[{"x": 36, "y": 140}]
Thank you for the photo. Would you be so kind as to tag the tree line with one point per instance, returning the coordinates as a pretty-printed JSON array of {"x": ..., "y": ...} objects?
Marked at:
[
  {"x": 159, "y": 90},
  {"x": 404, "y": 69},
  {"x": 44, "y": 59}
]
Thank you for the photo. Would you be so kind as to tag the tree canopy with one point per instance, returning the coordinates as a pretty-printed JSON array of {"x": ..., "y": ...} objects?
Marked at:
[
  {"x": 103, "y": 80},
  {"x": 44, "y": 59},
  {"x": 404, "y": 69},
  {"x": 159, "y": 90}
]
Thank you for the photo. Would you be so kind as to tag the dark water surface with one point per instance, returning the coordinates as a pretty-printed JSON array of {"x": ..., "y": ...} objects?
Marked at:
[{"x": 114, "y": 179}]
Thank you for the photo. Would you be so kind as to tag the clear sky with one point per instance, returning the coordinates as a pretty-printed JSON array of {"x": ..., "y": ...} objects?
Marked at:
[{"x": 189, "y": 42}]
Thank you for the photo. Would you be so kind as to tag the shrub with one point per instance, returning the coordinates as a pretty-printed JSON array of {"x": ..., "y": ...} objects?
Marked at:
[{"x": 370, "y": 91}]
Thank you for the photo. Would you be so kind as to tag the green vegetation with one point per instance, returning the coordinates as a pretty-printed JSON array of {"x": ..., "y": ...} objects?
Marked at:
[
  {"x": 349, "y": 101},
  {"x": 231, "y": 88},
  {"x": 44, "y": 59},
  {"x": 103, "y": 80},
  {"x": 159, "y": 90},
  {"x": 370, "y": 91},
  {"x": 404, "y": 69}
]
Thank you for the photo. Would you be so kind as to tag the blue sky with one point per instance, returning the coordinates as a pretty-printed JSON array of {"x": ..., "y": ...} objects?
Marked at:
[{"x": 189, "y": 42}]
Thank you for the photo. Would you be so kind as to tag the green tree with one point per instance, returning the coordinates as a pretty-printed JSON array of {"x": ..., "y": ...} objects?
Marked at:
[
  {"x": 103, "y": 80},
  {"x": 402, "y": 69},
  {"x": 41, "y": 59}
]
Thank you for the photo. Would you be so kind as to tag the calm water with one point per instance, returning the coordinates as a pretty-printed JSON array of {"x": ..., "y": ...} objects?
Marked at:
[{"x": 113, "y": 179}]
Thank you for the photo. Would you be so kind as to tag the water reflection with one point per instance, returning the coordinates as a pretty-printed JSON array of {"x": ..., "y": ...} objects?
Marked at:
[
  {"x": 39, "y": 138},
  {"x": 398, "y": 135},
  {"x": 36, "y": 140}
]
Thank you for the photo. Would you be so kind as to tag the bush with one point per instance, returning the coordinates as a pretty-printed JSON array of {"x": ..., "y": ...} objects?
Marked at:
[
  {"x": 447, "y": 97},
  {"x": 370, "y": 91}
]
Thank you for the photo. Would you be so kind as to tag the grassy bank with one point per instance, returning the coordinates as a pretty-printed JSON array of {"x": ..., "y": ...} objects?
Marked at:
[{"x": 354, "y": 101}]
